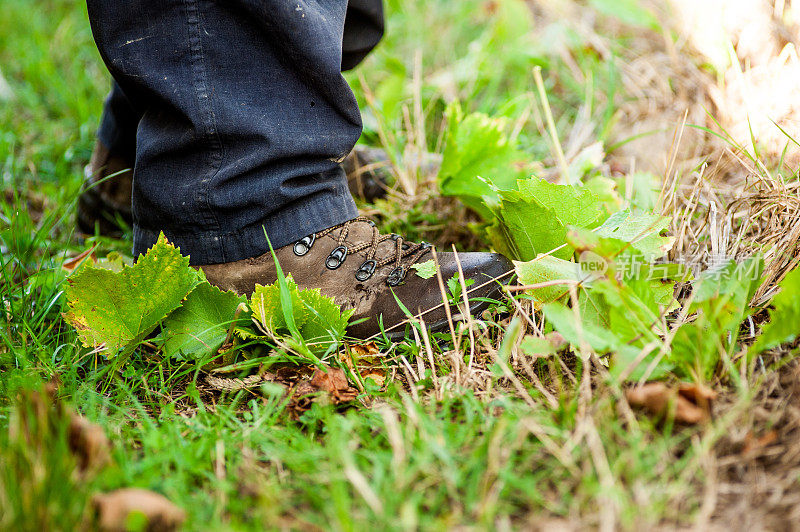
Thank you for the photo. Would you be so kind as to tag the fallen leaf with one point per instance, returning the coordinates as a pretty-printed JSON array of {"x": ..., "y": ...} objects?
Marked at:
[
  {"x": 692, "y": 402},
  {"x": 367, "y": 352},
  {"x": 335, "y": 383},
  {"x": 88, "y": 442},
  {"x": 753, "y": 444},
  {"x": 698, "y": 394},
  {"x": 39, "y": 415},
  {"x": 377, "y": 375},
  {"x": 73, "y": 262},
  {"x": 115, "y": 508},
  {"x": 367, "y": 358},
  {"x": 292, "y": 374},
  {"x": 119, "y": 309}
]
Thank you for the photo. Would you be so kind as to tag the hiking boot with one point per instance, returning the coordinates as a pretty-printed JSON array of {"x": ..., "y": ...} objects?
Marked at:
[
  {"x": 105, "y": 201},
  {"x": 369, "y": 170},
  {"x": 364, "y": 270}
]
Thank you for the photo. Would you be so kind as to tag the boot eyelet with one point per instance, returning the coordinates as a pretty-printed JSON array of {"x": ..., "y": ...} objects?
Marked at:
[
  {"x": 303, "y": 246},
  {"x": 336, "y": 258},
  {"x": 366, "y": 270},
  {"x": 396, "y": 276}
]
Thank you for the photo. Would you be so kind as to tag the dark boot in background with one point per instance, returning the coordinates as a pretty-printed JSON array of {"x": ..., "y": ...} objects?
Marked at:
[{"x": 105, "y": 201}]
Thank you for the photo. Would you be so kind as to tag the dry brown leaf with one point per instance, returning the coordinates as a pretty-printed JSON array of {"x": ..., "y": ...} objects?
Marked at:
[
  {"x": 292, "y": 374},
  {"x": 367, "y": 361},
  {"x": 368, "y": 351},
  {"x": 114, "y": 508},
  {"x": 376, "y": 374},
  {"x": 692, "y": 402},
  {"x": 752, "y": 444},
  {"x": 72, "y": 263},
  {"x": 335, "y": 383},
  {"x": 88, "y": 442},
  {"x": 39, "y": 415}
]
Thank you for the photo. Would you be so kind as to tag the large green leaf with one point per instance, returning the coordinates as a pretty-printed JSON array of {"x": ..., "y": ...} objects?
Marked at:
[
  {"x": 545, "y": 268},
  {"x": 784, "y": 320},
  {"x": 118, "y": 309},
  {"x": 527, "y": 228},
  {"x": 572, "y": 205},
  {"x": 198, "y": 328},
  {"x": 268, "y": 310},
  {"x": 621, "y": 303},
  {"x": 720, "y": 305},
  {"x": 534, "y": 218},
  {"x": 320, "y": 323},
  {"x": 478, "y": 159},
  {"x": 562, "y": 318},
  {"x": 641, "y": 230}
]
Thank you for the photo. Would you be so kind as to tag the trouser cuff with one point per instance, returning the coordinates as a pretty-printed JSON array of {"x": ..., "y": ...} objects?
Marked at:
[{"x": 284, "y": 227}]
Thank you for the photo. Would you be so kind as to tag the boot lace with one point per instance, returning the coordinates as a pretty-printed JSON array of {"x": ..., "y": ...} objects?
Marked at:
[{"x": 405, "y": 253}]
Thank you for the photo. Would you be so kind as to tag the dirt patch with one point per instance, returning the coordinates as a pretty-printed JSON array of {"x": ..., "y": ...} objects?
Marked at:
[{"x": 758, "y": 460}]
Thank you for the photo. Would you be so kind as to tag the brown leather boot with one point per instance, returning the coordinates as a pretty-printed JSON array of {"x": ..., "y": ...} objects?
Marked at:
[
  {"x": 364, "y": 270},
  {"x": 369, "y": 170},
  {"x": 104, "y": 199}
]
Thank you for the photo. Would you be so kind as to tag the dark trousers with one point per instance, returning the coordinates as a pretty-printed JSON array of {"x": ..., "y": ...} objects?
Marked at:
[{"x": 237, "y": 114}]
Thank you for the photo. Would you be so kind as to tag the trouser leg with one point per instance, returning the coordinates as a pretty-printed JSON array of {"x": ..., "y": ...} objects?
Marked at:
[
  {"x": 363, "y": 29},
  {"x": 244, "y": 115}
]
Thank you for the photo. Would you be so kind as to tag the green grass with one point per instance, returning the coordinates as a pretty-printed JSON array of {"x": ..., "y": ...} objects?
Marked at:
[{"x": 483, "y": 455}]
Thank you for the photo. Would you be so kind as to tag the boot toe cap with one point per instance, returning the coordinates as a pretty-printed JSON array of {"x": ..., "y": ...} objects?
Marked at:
[{"x": 488, "y": 270}]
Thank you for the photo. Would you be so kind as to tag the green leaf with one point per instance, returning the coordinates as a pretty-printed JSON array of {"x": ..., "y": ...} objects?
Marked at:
[
  {"x": 547, "y": 268},
  {"x": 455, "y": 289},
  {"x": 268, "y": 309},
  {"x": 641, "y": 230},
  {"x": 562, "y": 318},
  {"x": 198, "y": 328},
  {"x": 392, "y": 90},
  {"x": 533, "y": 219},
  {"x": 426, "y": 269},
  {"x": 319, "y": 321},
  {"x": 119, "y": 309},
  {"x": 720, "y": 304},
  {"x": 784, "y": 324},
  {"x": 525, "y": 229},
  {"x": 572, "y": 205},
  {"x": 535, "y": 346},
  {"x": 326, "y": 324},
  {"x": 478, "y": 159},
  {"x": 605, "y": 190},
  {"x": 628, "y": 11}
]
